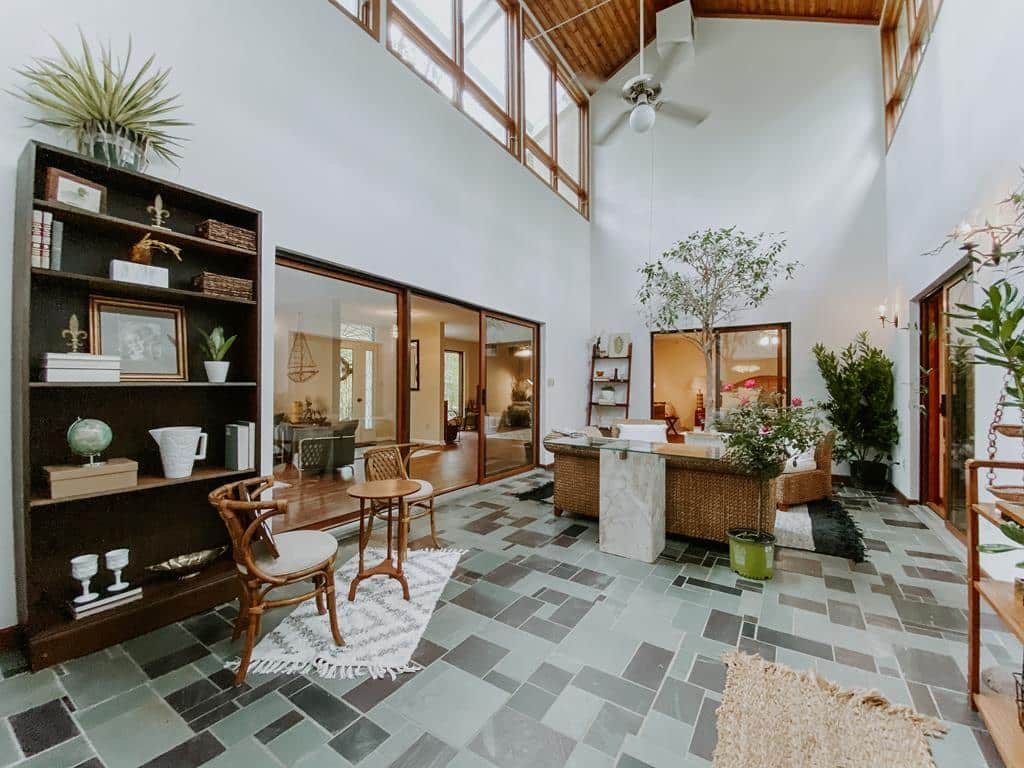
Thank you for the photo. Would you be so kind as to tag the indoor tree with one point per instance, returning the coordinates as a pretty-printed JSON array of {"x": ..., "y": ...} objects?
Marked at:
[{"x": 706, "y": 279}]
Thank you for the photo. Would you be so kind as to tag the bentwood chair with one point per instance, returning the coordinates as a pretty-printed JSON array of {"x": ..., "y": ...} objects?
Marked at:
[
  {"x": 391, "y": 462},
  {"x": 266, "y": 561}
]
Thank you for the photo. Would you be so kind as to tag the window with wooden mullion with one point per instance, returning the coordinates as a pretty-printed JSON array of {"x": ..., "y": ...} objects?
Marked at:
[{"x": 364, "y": 12}]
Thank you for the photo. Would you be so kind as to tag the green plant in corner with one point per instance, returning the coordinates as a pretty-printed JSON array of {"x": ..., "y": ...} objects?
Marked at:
[
  {"x": 861, "y": 388},
  {"x": 215, "y": 344},
  {"x": 1013, "y": 532},
  {"x": 111, "y": 112},
  {"x": 706, "y": 279}
]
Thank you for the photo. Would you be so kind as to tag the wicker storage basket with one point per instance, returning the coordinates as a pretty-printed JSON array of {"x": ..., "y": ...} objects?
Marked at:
[
  {"x": 222, "y": 285},
  {"x": 220, "y": 232}
]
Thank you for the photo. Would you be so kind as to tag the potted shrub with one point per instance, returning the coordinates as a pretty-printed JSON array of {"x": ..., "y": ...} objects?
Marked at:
[
  {"x": 705, "y": 280},
  {"x": 860, "y": 385},
  {"x": 761, "y": 437},
  {"x": 216, "y": 347},
  {"x": 113, "y": 115}
]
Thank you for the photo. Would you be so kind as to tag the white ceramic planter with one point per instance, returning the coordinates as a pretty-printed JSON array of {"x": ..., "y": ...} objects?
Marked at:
[
  {"x": 179, "y": 449},
  {"x": 217, "y": 371}
]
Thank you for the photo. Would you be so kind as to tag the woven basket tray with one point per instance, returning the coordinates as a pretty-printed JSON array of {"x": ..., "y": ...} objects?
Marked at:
[
  {"x": 222, "y": 285},
  {"x": 220, "y": 232}
]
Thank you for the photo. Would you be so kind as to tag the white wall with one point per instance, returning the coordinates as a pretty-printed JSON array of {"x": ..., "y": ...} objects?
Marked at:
[
  {"x": 349, "y": 155},
  {"x": 794, "y": 144},
  {"x": 956, "y": 152}
]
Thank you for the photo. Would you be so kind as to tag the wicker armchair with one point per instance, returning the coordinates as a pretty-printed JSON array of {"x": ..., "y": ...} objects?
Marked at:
[
  {"x": 391, "y": 462},
  {"x": 812, "y": 484}
]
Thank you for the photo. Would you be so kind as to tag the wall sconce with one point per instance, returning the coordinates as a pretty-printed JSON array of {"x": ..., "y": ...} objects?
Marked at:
[{"x": 883, "y": 316}]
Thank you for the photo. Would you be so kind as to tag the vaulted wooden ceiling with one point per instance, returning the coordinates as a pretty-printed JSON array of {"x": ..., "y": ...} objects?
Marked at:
[{"x": 599, "y": 44}]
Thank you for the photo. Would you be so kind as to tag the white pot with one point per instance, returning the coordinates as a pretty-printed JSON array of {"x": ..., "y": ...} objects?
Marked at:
[
  {"x": 179, "y": 449},
  {"x": 217, "y": 371}
]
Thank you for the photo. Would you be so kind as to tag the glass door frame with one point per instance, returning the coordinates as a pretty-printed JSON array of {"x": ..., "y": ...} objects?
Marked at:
[
  {"x": 482, "y": 476},
  {"x": 786, "y": 328},
  {"x": 301, "y": 263}
]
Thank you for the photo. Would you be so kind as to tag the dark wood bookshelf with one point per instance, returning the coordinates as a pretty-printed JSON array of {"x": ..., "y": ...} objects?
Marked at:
[
  {"x": 595, "y": 381},
  {"x": 160, "y": 517}
]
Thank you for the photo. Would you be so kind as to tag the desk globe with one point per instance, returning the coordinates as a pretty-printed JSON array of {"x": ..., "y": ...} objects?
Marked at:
[{"x": 89, "y": 438}]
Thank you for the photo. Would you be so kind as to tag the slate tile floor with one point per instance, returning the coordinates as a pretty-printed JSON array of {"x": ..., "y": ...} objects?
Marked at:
[{"x": 543, "y": 653}]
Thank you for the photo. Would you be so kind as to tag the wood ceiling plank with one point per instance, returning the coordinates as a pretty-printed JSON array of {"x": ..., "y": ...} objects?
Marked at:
[{"x": 599, "y": 44}]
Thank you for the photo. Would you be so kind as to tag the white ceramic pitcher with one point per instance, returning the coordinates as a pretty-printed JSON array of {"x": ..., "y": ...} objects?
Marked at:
[{"x": 179, "y": 448}]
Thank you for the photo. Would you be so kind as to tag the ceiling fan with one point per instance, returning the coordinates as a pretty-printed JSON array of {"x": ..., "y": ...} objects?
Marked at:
[{"x": 643, "y": 94}]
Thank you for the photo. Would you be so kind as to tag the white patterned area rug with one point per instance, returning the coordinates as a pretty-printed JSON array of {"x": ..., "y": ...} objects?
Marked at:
[{"x": 380, "y": 629}]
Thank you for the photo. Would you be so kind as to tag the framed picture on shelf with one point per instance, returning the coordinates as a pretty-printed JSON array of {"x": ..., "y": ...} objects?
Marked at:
[
  {"x": 149, "y": 337},
  {"x": 414, "y": 364},
  {"x": 68, "y": 189},
  {"x": 618, "y": 344}
]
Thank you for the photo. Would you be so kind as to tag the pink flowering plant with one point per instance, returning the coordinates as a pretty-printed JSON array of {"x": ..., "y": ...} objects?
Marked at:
[{"x": 762, "y": 436}]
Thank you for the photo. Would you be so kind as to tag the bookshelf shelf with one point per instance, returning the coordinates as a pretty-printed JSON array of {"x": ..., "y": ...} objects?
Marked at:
[{"x": 158, "y": 518}]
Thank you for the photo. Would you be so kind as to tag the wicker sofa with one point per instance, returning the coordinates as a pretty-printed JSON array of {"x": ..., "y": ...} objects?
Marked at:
[
  {"x": 812, "y": 484},
  {"x": 704, "y": 496}
]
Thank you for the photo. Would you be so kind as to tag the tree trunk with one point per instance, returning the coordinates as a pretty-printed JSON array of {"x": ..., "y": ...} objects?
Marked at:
[{"x": 710, "y": 394}]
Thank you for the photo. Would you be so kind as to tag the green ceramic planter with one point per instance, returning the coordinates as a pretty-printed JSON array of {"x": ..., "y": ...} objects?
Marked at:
[{"x": 752, "y": 555}]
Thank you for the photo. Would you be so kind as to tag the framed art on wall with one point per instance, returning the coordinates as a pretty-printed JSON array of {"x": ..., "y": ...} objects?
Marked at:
[
  {"x": 414, "y": 364},
  {"x": 149, "y": 337}
]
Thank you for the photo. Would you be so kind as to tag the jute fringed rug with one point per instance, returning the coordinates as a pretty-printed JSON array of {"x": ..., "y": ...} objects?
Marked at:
[
  {"x": 774, "y": 717},
  {"x": 381, "y": 630}
]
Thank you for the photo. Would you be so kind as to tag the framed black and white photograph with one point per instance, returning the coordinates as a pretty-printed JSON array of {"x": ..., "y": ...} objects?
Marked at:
[
  {"x": 414, "y": 364},
  {"x": 150, "y": 338}
]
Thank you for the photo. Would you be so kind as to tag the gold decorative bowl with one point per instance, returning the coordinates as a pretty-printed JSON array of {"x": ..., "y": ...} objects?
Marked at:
[
  {"x": 1011, "y": 493},
  {"x": 187, "y": 566},
  {"x": 1010, "y": 430}
]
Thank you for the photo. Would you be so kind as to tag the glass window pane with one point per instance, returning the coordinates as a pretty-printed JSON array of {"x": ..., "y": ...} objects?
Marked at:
[
  {"x": 434, "y": 19},
  {"x": 487, "y": 121},
  {"x": 509, "y": 380},
  {"x": 537, "y": 166},
  {"x": 902, "y": 35},
  {"x": 567, "y": 192},
  {"x": 568, "y": 125},
  {"x": 345, "y": 384},
  {"x": 352, "y": 6},
  {"x": 537, "y": 96},
  {"x": 419, "y": 60},
  {"x": 485, "y": 38},
  {"x": 453, "y": 382},
  {"x": 752, "y": 366},
  {"x": 369, "y": 385}
]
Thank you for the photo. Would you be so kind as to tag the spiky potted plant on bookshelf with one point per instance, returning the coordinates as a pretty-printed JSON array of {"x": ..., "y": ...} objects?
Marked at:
[
  {"x": 216, "y": 347},
  {"x": 705, "y": 280},
  {"x": 761, "y": 437},
  {"x": 114, "y": 114}
]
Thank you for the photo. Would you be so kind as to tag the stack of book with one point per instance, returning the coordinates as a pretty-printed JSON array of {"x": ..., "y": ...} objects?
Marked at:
[
  {"x": 47, "y": 240},
  {"x": 80, "y": 367},
  {"x": 240, "y": 445},
  {"x": 108, "y": 602}
]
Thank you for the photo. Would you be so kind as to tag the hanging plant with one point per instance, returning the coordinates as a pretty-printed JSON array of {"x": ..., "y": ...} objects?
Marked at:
[{"x": 111, "y": 113}]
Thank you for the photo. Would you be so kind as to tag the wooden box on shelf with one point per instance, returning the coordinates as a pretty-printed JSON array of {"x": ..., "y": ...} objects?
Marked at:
[
  {"x": 53, "y": 525},
  {"x": 81, "y": 479}
]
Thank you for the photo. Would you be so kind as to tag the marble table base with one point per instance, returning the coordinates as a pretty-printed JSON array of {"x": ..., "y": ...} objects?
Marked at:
[{"x": 632, "y": 507}]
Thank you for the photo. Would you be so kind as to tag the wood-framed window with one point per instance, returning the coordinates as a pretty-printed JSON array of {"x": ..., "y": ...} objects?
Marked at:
[
  {"x": 366, "y": 13},
  {"x": 556, "y": 132},
  {"x": 906, "y": 28},
  {"x": 464, "y": 49}
]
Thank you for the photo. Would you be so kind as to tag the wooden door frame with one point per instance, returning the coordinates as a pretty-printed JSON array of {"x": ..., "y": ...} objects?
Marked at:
[
  {"x": 786, "y": 326},
  {"x": 482, "y": 475},
  {"x": 930, "y": 453},
  {"x": 406, "y": 292}
]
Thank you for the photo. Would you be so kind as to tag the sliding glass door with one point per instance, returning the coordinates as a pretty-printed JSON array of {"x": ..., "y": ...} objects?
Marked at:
[{"x": 508, "y": 396}]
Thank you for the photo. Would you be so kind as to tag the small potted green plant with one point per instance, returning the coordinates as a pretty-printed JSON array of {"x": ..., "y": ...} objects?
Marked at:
[
  {"x": 761, "y": 437},
  {"x": 861, "y": 392},
  {"x": 216, "y": 347},
  {"x": 113, "y": 115}
]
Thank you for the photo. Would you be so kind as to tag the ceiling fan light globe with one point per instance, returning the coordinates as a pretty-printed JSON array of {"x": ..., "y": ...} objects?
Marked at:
[{"x": 641, "y": 119}]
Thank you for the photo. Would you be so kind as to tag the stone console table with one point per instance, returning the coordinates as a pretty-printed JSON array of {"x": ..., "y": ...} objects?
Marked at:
[{"x": 631, "y": 521}]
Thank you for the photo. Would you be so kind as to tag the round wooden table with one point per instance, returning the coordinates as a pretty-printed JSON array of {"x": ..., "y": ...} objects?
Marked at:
[{"x": 385, "y": 491}]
